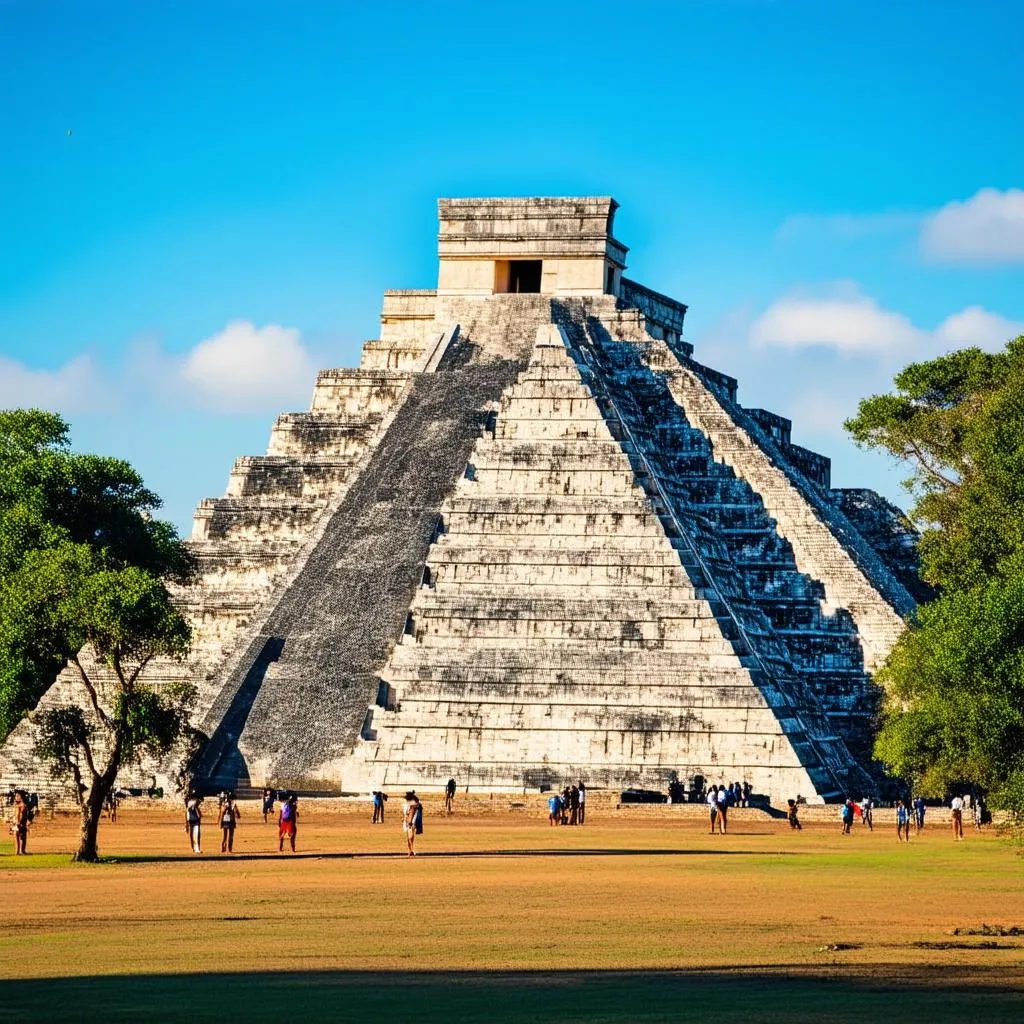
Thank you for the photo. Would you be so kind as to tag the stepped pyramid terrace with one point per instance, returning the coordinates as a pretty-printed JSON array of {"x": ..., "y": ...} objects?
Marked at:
[{"x": 533, "y": 539}]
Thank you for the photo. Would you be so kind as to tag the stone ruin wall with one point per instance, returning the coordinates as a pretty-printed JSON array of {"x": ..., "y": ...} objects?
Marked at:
[{"x": 639, "y": 631}]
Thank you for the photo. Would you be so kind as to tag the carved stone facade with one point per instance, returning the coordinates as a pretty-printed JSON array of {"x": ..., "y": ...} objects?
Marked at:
[{"x": 529, "y": 540}]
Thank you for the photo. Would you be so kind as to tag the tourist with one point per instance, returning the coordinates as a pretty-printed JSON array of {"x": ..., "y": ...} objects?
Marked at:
[
  {"x": 746, "y": 794},
  {"x": 229, "y": 815},
  {"x": 22, "y": 819},
  {"x": 712, "y": 808},
  {"x": 865, "y": 813},
  {"x": 979, "y": 812},
  {"x": 287, "y": 822},
  {"x": 449, "y": 796},
  {"x": 379, "y": 796},
  {"x": 846, "y": 816},
  {"x": 583, "y": 802},
  {"x": 794, "y": 821},
  {"x": 554, "y": 810},
  {"x": 413, "y": 822},
  {"x": 565, "y": 806},
  {"x": 268, "y": 804},
  {"x": 194, "y": 822},
  {"x": 957, "y": 807},
  {"x": 902, "y": 822},
  {"x": 919, "y": 812},
  {"x": 574, "y": 805},
  {"x": 723, "y": 809},
  {"x": 737, "y": 794}
]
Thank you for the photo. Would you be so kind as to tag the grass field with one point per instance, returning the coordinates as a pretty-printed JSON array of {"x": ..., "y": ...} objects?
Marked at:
[{"x": 503, "y": 918}]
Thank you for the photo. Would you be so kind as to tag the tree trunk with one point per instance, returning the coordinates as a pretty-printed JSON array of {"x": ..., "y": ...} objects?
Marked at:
[{"x": 92, "y": 808}]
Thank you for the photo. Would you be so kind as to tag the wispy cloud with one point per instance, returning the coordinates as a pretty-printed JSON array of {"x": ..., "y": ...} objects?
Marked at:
[
  {"x": 847, "y": 226},
  {"x": 987, "y": 228},
  {"x": 241, "y": 368},
  {"x": 850, "y": 322},
  {"x": 77, "y": 386}
]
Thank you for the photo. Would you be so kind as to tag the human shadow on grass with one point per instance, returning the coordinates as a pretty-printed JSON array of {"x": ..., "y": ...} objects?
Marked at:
[
  {"x": 839, "y": 994},
  {"x": 171, "y": 858}
]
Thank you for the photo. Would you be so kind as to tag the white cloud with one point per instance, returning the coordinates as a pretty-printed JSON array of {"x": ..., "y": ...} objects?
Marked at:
[
  {"x": 853, "y": 323},
  {"x": 847, "y": 321},
  {"x": 77, "y": 386},
  {"x": 987, "y": 228},
  {"x": 242, "y": 368},
  {"x": 847, "y": 226},
  {"x": 977, "y": 326}
]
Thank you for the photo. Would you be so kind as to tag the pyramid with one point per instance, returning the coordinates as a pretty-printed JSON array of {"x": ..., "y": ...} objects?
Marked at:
[{"x": 532, "y": 539}]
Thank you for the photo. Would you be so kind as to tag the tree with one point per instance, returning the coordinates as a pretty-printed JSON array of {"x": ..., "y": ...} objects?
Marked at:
[
  {"x": 83, "y": 571},
  {"x": 954, "y": 707}
]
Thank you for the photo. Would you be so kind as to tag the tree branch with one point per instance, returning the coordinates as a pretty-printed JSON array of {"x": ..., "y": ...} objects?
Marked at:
[
  {"x": 929, "y": 469},
  {"x": 93, "y": 696},
  {"x": 133, "y": 678}
]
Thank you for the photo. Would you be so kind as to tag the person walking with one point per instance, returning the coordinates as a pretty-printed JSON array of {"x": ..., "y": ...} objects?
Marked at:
[
  {"x": 865, "y": 813},
  {"x": 194, "y": 822},
  {"x": 712, "y": 800},
  {"x": 229, "y": 815},
  {"x": 919, "y": 812},
  {"x": 22, "y": 819},
  {"x": 574, "y": 805},
  {"x": 957, "y": 807},
  {"x": 413, "y": 822},
  {"x": 288, "y": 822},
  {"x": 268, "y": 804},
  {"x": 554, "y": 810},
  {"x": 902, "y": 822},
  {"x": 583, "y": 802},
  {"x": 794, "y": 821},
  {"x": 723, "y": 810},
  {"x": 846, "y": 816},
  {"x": 449, "y": 796},
  {"x": 379, "y": 796}
]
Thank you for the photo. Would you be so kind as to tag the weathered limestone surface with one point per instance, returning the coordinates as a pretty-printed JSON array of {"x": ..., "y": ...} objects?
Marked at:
[
  {"x": 559, "y": 634},
  {"x": 531, "y": 539},
  {"x": 825, "y": 544}
]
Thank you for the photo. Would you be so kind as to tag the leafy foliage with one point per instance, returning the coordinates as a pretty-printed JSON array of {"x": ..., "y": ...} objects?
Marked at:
[
  {"x": 83, "y": 567},
  {"x": 955, "y": 681},
  {"x": 58, "y": 508}
]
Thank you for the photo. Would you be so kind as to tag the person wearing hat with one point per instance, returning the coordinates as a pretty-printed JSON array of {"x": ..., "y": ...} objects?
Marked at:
[{"x": 413, "y": 824}]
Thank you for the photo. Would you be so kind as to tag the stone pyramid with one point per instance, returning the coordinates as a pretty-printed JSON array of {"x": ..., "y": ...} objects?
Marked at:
[{"x": 529, "y": 540}]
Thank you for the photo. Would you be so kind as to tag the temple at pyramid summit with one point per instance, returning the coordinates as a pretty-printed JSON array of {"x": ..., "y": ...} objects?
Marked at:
[{"x": 533, "y": 539}]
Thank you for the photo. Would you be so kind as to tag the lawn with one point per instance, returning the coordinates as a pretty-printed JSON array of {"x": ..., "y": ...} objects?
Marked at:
[{"x": 504, "y": 918}]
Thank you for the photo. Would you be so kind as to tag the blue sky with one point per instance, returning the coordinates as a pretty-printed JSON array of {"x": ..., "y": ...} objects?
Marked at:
[{"x": 833, "y": 188}]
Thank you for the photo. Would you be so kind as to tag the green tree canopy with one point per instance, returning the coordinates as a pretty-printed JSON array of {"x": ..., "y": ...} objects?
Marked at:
[
  {"x": 83, "y": 567},
  {"x": 954, "y": 711},
  {"x": 49, "y": 497}
]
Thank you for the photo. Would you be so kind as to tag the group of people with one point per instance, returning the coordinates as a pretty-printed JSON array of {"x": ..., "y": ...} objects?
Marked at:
[
  {"x": 568, "y": 807},
  {"x": 228, "y": 815},
  {"x": 720, "y": 798},
  {"x": 911, "y": 812},
  {"x": 852, "y": 810}
]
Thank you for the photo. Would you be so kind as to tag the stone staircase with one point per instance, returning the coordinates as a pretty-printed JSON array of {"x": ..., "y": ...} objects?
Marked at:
[
  {"x": 736, "y": 551},
  {"x": 558, "y": 635}
]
